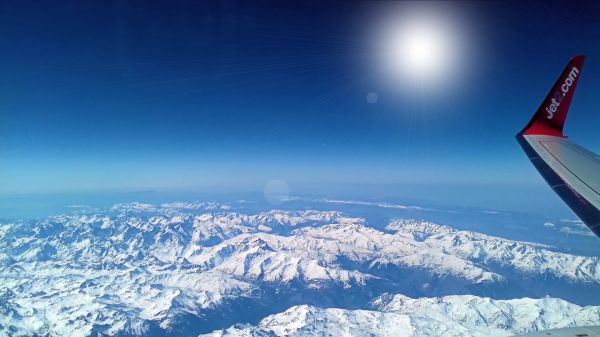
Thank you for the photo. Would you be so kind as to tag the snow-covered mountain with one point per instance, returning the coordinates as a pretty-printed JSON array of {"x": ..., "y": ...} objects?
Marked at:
[
  {"x": 191, "y": 268},
  {"x": 398, "y": 316}
]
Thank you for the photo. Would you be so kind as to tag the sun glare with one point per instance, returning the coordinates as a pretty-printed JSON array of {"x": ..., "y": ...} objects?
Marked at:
[
  {"x": 421, "y": 47},
  {"x": 420, "y": 51}
]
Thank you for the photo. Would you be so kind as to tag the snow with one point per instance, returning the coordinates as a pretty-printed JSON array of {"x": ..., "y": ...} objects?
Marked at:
[
  {"x": 400, "y": 316},
  {"x": 136, "y": 267}
]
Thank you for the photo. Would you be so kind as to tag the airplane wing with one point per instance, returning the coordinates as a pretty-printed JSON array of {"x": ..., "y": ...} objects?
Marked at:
[{"x": 571, "y": 171}]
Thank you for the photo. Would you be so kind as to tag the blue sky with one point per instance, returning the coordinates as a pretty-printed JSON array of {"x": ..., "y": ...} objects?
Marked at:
[{"x": 131, "y": 96}]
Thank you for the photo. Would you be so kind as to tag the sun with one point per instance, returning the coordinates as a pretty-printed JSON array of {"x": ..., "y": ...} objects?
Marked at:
[
  {"x": 420, "y": 51},
  {"x": 424, "y": 48}
]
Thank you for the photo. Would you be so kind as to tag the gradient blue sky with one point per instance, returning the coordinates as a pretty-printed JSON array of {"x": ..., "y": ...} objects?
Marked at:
[{"x": 141, "y": 95}]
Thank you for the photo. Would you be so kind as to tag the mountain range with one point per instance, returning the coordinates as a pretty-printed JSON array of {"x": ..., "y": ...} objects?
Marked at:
[{"x": 187, "y": 269}]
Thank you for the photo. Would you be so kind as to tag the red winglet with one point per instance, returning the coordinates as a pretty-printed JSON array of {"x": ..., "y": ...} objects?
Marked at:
[{"x": 551, "y": 115}]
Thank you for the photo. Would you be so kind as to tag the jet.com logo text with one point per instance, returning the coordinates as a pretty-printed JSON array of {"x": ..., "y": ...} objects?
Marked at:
[{"x": 560, "y": 94}]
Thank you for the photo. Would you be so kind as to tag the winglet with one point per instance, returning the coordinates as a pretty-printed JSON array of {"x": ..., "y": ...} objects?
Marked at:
[{"x": 551, "y": 115}]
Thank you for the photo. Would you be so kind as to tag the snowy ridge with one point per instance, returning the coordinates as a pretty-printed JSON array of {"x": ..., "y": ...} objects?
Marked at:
[
  {"x": 524, "y": 257},
  {"x": 275, "y": 258},
  {"x": 442, "y": 316}
]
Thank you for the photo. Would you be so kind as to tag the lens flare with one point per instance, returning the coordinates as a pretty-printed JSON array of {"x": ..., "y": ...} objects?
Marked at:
[{"x": 276, "y": 192}]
